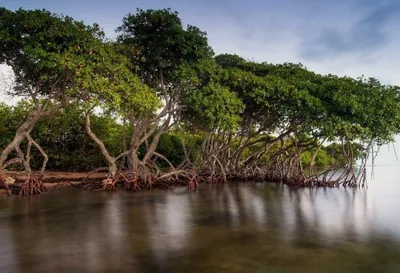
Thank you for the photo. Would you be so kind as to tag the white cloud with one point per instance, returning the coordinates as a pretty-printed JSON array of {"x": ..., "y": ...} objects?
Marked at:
[
  {"x": 276, "y": 31},
  {"x": 279, "y": 37}
]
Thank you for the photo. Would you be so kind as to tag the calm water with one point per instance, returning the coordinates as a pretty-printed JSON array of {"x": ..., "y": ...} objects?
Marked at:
[{"x": 228, "y": 228}]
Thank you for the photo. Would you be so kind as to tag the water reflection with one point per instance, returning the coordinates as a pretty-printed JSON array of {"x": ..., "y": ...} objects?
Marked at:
[{"x": 226, "y": 228}]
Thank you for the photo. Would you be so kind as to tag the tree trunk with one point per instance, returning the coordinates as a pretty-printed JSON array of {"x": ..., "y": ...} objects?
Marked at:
[
  {"x": 42, "y": 152},
  {"x": 314, "y": 157},
  {"x": 134, "y": 160},
  {"x": 20, "y": 135},
  {"x": 124, "y": 144},
  {"x": 153, "y": 146},
  {"x": 110, "y": 160}
]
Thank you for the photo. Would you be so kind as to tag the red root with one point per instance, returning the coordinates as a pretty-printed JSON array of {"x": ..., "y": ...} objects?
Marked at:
[
  {"x": 110, "y": 184},
  {"x": 193, "y": 183},
  {"x": 130, "y": 179},
  {"x": 149, "y": 179},
  {"x": 33, "y": 185},
  {"x": 214, "y": 179}
]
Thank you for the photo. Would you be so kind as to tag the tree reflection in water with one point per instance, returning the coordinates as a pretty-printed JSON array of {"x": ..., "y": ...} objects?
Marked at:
[{"x": 224, "y": 228}]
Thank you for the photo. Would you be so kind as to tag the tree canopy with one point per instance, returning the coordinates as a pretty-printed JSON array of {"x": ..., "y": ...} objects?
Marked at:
[{"x": 160, "y": 78}]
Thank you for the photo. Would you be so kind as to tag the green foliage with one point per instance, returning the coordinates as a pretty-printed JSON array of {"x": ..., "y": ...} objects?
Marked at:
[
  {"x": 288, "y": 96},
  {"x": 322, "y": 159},
  {"x": 156, "y": 61},
  {"x": 161, "y": 43},
  {"x": 213, "y": 107},
  {"x": 169, "y": 58},
  {"x": 63, "y": 136},
  {"x": 35, "y": 43},
  {"x": 104, "y": 78},
  {"x": 56, "y": 56},
  {"x": 171, "y": 146},
  {"x": 9, "y": 122}
]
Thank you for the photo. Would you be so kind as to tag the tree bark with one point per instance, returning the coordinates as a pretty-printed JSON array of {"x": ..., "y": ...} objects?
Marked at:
[
  {"x": 110, "y": 160},
  {"x": 42, "y": 152},
  {"x": 20, "y": 134},
  {"x": 124, "y": 144}
]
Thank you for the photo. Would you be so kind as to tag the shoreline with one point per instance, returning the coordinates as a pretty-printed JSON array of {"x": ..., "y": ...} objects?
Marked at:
[
  {"x": 52, "y": 180},
  {"x": 56, "y": 176}
]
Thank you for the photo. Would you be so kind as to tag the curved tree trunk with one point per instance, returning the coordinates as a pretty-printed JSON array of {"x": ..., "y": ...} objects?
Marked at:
[
  {"x": 20, "y": 135},
  {"x": 110, "y": 160},
  {"x": 42, "y": 152},
  {"x": 124, "y": 144},
  {"x": 314, "y": 157}
]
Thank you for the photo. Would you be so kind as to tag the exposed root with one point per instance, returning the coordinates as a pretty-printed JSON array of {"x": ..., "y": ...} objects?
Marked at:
[
  {"x": 33, "y": 185},
  {"x": 149, "y": 179},
  {"x": 107, "y": 184},
  {"x": 130, "y": 179},
  {"x": 110, "y": 183},
  {"x": 281, "y": 171},
  {"x": 194, "y": 183},
  {"x": 214, "y": 178},
  {"x": 224, "y": 180}
]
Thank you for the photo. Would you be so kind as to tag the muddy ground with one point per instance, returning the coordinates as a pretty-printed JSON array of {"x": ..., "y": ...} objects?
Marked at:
[
  {"x": 54, "y": 177},
  {"x": 51, "y": 179}
]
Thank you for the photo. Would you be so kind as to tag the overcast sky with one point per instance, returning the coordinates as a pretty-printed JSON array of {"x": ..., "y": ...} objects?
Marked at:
[{"x": 352, "y": 37}]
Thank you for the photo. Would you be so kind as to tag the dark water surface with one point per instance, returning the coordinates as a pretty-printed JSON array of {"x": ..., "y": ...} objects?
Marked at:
[{"x": 226, "y": 228}]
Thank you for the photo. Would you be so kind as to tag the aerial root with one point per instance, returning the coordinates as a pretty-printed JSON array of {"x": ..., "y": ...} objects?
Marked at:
[
  {"x": 130, "y": 179},
  {"x": 33, "y": 185},
  {"x": 213, "y": 179},
  {"x": 146, "y": 178},
  {"x": 110, "y": 183},
  {"x": 193, "y": 182}
]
